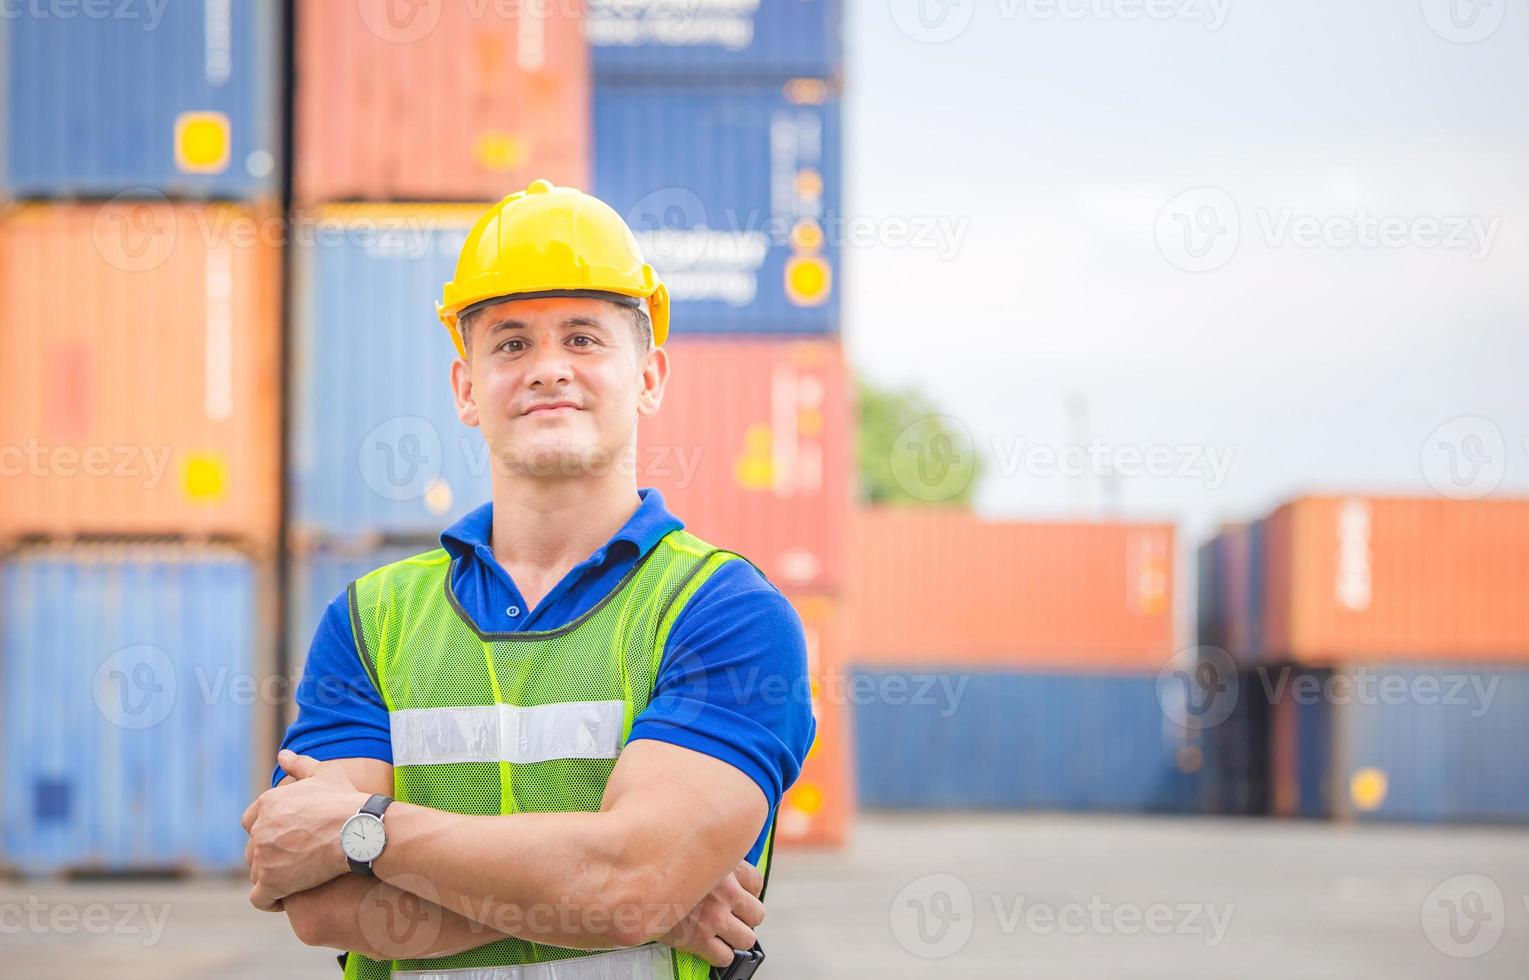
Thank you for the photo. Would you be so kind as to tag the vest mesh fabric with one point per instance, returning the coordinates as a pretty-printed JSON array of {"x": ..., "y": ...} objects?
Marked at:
[{"x": 423, "y": 652}]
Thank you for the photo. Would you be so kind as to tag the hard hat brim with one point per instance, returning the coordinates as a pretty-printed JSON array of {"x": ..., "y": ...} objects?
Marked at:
[{"x": 633, "y": 301}]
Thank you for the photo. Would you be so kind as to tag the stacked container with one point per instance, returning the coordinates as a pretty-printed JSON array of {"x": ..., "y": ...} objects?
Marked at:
[
  {"x": 1002, "y": 664},
  {"x": 717, "y": 138},
  {"x": 184, "y": 101},
  {"x": 438, "y": 101},
  {"x": 1236, "y": 746},
  {"x": 135, "y": 685},
  {"x": 140, "y": 420},
  {"x": 1391, "y": 642},
  {"x": 409, "y": 121}
]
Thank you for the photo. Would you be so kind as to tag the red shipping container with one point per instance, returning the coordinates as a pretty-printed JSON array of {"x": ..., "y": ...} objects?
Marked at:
[
  {"x": 438, "y": 101},
  {"x": 818, "y": 809},
  {"x": 940, "y": 585},
  {"x": 751, "y": 450},
  {"x": 139, "y": 388},
  {"x": 1365, "y": 578}
]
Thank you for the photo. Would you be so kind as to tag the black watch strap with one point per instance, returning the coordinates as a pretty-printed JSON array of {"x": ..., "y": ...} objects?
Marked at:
[{"x": 374, "y": 805}]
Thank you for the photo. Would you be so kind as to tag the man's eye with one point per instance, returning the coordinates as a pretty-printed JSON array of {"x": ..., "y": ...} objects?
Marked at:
[
  {"x": 512, "y": 345},
  {"x": 582, "y": 340}
]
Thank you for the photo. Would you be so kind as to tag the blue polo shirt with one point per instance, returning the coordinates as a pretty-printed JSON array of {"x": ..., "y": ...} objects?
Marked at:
[{"x": 717, "y": 690}]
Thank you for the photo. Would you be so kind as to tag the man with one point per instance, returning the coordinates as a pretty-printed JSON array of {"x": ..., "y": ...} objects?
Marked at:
[{"x": 565, "y": 698}]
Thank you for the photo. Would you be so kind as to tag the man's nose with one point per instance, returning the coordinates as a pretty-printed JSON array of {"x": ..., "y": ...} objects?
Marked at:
[{"x": 549, "y": 367}]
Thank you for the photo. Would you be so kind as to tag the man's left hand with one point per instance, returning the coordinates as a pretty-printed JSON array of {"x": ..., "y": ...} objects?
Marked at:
[{"x": 295, "y": 830}]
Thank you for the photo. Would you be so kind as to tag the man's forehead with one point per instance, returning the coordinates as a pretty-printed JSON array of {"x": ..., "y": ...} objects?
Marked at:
[{"x": 520, "y": 312}]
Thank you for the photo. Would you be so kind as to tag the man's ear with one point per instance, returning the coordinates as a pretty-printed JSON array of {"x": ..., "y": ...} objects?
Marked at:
[
  {"x": 655, "y": 375},
  {"x": 462, "y": 391}
]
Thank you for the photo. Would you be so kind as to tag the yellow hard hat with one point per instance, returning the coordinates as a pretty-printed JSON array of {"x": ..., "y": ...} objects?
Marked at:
[{"x": 551, "y": 241}]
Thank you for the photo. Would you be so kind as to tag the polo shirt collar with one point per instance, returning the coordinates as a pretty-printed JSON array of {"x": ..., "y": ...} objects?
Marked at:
[{"x": 647, "y": 525}]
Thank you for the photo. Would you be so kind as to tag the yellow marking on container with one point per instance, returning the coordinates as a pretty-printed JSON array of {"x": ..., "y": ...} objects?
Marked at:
[
  {"x": 754, "y": 470},
  {"x": 1367, "y": 789},
  {"x": 204, "y": 477},
  {"x": 806, "y": 91},
  {"x": 438, "y": 498},
  {"x": 807, "y": 797},
  {"x": 202, "y": 141},
  {"x": 499, "y": 151},
  {"x": 808, "y": 278},
  {"x": 809, "y": 183},
  {"x": 806, "y": 234}
]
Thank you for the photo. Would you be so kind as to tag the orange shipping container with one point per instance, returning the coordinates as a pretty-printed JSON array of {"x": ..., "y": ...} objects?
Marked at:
[
  {"x": 751, "y": 450},
  {"x": 931, "y": 585},
  {"x": 139, "y": 382},
  {"x": 818, "y": 810},
  {"x": 438, "y": 101},
  {"x": 1360, "y": 578}
]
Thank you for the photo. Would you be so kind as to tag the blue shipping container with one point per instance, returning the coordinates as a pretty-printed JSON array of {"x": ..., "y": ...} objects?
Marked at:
[
  {"x": 1236, "y": 772},
  {"x": 377, "y": 447},
  {"x": 132, "y": 680},
  {"x": 1236, "y": 748},
  {"x": 180, "y": 98},
  {"x": 732, "y": 39},
  {"x": 1416, "y": 742},
  {"x": 734, "y": 196},
  {"x": 991, "y": 740}
]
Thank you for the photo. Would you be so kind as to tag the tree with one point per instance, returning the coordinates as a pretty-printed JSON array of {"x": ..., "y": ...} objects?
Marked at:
[{"x": 911, "y": 454}]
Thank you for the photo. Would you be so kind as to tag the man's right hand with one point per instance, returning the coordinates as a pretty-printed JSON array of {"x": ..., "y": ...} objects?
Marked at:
[{"x": 724, "y": 920}]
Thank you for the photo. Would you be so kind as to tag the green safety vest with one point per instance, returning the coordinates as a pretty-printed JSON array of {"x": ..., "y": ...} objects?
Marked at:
[{"x": 530, "y": 722}]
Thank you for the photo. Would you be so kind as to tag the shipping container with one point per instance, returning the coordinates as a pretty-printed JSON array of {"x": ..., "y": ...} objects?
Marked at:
[
  {"x": 137, "y": 686},
  {"x": 717, "y": 41},
  {"x": 928, "y": 583},
  {"x": 139, "y": 391},
  {"x": 438, "y": 101},
  {"x": 1233, "y": 733},
  {"x": 751, "y": 450},
  {"x": 1235, "y": 742},
  {"x": 1299, "y": 743},
  {"x": 1355, "y": 579},
  {"x": 735, "y": 201},
  {"x": 943, "y": 737},
  {"x": 317, "y": 573},
  {"x": 174, "y": 98},
  {"x": 1255, "y": 594},
  {"x": 376, "y": 444},
  {"x": 818, "y": 810},
  {"x": 1234, "y": 588},
  {"x": 1234, "y": 571},
  {"x": 1434, "y": 742},
  {"x": 1209, "y": 630}
]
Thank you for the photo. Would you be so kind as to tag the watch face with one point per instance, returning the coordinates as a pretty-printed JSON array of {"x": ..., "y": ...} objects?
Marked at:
[{"x": 362, "y": 837}]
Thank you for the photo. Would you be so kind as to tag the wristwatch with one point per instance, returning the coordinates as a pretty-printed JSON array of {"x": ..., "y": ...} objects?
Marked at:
[{"x": 363, "y": 836}]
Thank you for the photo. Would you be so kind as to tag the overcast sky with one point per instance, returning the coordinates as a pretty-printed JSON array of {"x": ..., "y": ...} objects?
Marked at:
[{"x": 1357, "y": 210}]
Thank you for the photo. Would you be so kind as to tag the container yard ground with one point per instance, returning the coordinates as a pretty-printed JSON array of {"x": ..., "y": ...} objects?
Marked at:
[{"x": 1304, "y": 900}]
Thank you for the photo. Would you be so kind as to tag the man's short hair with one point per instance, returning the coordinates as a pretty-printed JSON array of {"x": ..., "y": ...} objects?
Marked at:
[{"x": 640, "y": 323}]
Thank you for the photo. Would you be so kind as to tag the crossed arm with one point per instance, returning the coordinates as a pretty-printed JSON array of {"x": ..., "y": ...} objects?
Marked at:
[{"x": 659, "y": 860}]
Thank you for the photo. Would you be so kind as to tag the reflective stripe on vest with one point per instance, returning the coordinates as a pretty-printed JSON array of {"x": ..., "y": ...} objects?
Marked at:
[
  {"x": 507, "y": 733},
  {"x": 648, "y": 962}
]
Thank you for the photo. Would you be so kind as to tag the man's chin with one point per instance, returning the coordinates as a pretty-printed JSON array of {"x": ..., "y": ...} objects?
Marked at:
[{"x": 553, "y": 459}]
